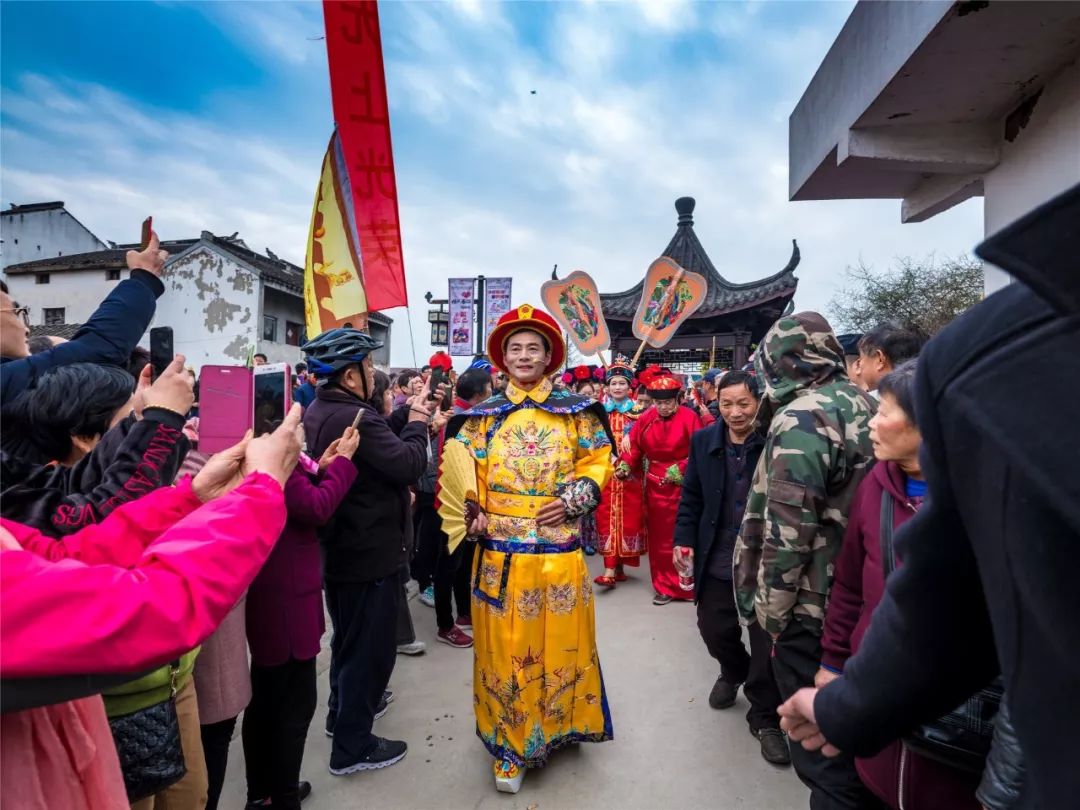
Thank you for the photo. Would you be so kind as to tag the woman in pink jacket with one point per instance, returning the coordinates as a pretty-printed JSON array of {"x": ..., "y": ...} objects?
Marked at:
[{"x": 149, "y": 582}]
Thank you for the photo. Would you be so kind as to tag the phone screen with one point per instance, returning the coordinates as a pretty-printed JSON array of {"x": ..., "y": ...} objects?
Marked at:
[
  {"x": 269, "y": 402},
  {"x": 161, "y": 349}
]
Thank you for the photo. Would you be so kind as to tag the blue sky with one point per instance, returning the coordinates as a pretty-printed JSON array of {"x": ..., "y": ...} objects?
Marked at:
[{"x": 215, "y": 116}]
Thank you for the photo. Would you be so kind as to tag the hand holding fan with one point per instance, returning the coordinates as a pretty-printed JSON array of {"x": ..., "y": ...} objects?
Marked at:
[{"x": 458, "y": 506}]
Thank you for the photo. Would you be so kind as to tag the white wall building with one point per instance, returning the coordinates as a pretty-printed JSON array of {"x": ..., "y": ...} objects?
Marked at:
[
  {"x": 42, "y": 231},
  {"x": 933, "y": 103},
  {"x": 223, "y": 300}
]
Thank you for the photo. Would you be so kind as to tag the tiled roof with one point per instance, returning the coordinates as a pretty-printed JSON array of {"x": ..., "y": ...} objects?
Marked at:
[
  {"x": 31, "y": 207},
  {"x": 723, "y": 296},
  {"x": 60, "y": 330},
  {"x": 111, "y": 259}
]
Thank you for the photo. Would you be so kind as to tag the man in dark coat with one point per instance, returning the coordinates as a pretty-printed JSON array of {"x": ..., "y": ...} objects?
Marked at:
[
  {"x": 717, "y": 481},
  {"x": 987, "y": 579},
  {"x": 366, "y": 542}
]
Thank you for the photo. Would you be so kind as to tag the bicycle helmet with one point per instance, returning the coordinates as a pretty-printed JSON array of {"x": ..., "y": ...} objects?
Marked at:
[{"x": 336, "y": 349}]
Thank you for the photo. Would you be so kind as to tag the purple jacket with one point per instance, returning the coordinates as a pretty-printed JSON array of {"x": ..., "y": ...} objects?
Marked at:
[
  {"x": 284, "y": 604},
  {"x": 897, "y": 776}
]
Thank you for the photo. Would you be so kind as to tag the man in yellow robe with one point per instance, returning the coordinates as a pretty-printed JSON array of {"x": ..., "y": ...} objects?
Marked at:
[{"x": 542, "y": 459}]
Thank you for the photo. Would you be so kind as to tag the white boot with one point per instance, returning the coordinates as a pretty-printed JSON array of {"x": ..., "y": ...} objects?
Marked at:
[{"x": 508, "y": 776}]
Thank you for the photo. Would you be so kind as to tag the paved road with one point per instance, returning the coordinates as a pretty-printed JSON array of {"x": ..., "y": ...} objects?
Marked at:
[{"x": 670, "y": 749}]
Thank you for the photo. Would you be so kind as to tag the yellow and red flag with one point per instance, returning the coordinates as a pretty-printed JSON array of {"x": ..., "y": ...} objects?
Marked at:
[{"x": 333, "y": 284}]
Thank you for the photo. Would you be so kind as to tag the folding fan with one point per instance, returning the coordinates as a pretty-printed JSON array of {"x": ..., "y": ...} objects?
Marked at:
[{"x": 458, "y": 505}]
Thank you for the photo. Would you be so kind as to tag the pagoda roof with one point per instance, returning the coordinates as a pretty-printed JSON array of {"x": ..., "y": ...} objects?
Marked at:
[{"x": 722, "y": 296}]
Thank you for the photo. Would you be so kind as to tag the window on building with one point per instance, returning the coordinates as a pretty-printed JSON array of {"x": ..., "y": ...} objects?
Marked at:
[
  {"x": 53, "y": 316},
  {"x": 42, "y": 278},
  {"x": 269, "y": 328},
  {"x": 112, "y": 275},
  {"x": 294, "y": 333}
]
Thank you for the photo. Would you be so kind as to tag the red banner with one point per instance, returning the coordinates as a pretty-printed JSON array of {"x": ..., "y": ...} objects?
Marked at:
[{"x": 358, "y": 89}]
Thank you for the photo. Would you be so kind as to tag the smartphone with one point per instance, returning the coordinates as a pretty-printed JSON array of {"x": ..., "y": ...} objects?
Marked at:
[
  {"x": 161, "y": 349},
  {"x": 271, "y": 396},
  {"x": 224, "y": 406},
  {"x": 147, "y": 232},
  {"x": 438, "y": 377}
]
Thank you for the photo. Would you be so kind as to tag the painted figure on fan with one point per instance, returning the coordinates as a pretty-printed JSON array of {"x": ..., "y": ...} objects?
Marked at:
[
  {"x": 659, "y": 449},
  {"x": 543, "y": 457},
  {"x": 620, "y": 519}
]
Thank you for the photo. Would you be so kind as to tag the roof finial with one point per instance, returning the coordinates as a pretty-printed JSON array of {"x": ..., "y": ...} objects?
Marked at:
[{"x": 685, "y": 207}]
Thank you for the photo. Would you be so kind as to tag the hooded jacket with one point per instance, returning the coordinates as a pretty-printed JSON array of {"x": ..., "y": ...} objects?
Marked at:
[{"x": 817, "y": 451}]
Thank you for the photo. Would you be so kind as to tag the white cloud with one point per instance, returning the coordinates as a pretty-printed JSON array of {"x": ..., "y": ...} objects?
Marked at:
[{"x": 492, "y": 178}]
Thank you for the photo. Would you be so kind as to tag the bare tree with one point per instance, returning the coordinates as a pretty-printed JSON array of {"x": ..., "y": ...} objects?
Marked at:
[{"x": 923, "y": 296}]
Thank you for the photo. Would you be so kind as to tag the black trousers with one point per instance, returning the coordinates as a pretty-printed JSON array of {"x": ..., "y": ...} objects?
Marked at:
[
  {"x": 275, "y": 728},
  {"x": 833, "y": 782},
  {"x": 362, "y": 655},
  {"x": 427, "y": 529},
  {"x": 215, "y": 740},
  {"x": 452, "y": 582},
  {"x": 718, "y": 621},
  {"x": 405, "y": 633}
]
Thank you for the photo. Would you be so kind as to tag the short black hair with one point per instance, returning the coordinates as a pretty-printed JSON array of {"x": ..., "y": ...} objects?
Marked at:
[
  {"x": 733, "y": 378},
  {"x": 405, "y": 376},
  {"x": 424, "y": 368},
  {"x": 4, "y": 287},
  {"x": 39, "y": 343},
  {"x": 472, "y": 383},
  {"x": 900, "y": 385},
  {"x": 378, "y": 391},
  {"x": 80, "y": 399},
  {"x": 260, "y": 354},
  {"x": 892, "y": 340},
  {"x": 300, "y": 367}
]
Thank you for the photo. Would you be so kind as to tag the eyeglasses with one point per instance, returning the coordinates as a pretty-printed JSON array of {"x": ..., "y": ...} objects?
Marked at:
[{"x": 21, "y": 312}]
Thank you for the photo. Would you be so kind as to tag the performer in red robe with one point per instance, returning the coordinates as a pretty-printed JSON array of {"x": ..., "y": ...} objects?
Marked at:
[
  {"x": 659, "y": 448},
  {"x": 619, "y": 519}
]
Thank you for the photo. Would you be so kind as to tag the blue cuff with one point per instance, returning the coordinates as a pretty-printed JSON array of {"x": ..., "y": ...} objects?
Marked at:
[{"x": 833, "y": 670}]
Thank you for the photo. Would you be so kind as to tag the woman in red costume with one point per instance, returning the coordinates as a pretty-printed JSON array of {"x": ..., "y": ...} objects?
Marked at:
[
  {"x": 619, "y": 519},
  {"x": 659, "y": 448}
]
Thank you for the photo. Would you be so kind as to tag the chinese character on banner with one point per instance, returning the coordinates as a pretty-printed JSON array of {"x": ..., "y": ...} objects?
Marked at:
[
  {"x": 361, "y": 112},
  {"x": 496, "y": 302},
  {"x": 461, "y": 316}
]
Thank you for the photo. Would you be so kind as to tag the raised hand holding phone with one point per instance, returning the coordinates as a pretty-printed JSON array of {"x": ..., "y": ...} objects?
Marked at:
[
  {"x": 276, "y": 453},
  {"x": 151, "y": 257},
  {"x": 172, "y": 390},
  {"x": 345, "y": 446}
]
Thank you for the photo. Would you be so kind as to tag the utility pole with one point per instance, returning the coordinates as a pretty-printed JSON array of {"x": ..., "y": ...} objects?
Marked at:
[{"x": 481, "y": 322}]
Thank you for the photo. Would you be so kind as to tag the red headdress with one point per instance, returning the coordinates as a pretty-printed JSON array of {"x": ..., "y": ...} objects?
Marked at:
[{"x": 518, "y": 320}]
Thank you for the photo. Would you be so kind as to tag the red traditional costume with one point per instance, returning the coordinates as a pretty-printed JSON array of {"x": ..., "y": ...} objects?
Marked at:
[
  {"x": 620, "y": 520},
  {"x": 659, "y": 449}
]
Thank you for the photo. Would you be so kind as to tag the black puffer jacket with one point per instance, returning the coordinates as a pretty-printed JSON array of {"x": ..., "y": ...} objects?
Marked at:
[{"x": 371, "y": 534}]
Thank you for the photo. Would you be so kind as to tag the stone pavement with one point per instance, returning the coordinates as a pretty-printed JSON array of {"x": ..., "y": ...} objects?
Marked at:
[{"x": 670, "y": 749}]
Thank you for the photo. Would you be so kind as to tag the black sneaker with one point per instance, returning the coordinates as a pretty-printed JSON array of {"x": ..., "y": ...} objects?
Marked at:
[
  {"x": 384, "y": 754},
  {"x": 382, "y": 708},
  {"x": 330, "y": 720},
  {"x": 723, "y": 694},
  {"x": 303, "y": 790},
  {"x": 388, "y": 696},
  {"x": 661, "y": 599},
  {"x": 774, "y": 746}
]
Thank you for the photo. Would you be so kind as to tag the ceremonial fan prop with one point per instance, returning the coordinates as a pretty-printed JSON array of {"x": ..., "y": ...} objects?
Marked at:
[
  {"x": 669, "y": 295},
  {"x": 458, "y": 505},
  {"x": 575, "y": 303}
]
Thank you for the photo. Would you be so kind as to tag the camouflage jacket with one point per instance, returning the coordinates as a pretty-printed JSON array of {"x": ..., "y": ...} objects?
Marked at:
[{"x": 817, "y": 450}]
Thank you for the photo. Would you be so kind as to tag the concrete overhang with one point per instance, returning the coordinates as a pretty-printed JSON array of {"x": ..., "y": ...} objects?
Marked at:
[{"x": 914, "y": 99}]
